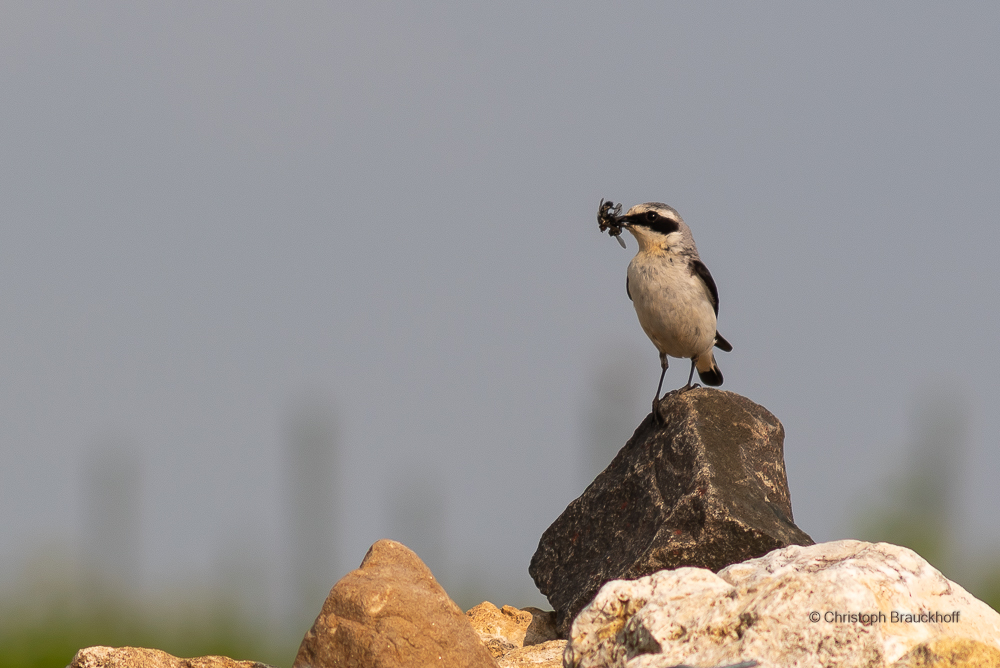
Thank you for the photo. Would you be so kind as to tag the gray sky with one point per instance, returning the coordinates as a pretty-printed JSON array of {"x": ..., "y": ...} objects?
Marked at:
[{"x": 214, "y": 213}]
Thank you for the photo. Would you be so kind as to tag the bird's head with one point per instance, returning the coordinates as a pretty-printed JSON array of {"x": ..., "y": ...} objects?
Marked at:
[{"x": 654, "y": 224}]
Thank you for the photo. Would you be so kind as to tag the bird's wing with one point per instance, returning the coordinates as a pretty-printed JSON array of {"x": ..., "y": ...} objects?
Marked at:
[
  {"x": 627, "y": 291},
  {"x": 699, "y": 269}
]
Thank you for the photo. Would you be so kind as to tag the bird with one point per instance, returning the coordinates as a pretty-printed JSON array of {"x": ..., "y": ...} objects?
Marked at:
[{"x": 673, "y": 293}]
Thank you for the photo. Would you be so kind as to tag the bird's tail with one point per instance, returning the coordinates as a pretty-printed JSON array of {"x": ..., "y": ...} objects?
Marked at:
[
  {"x": 708, "y": 370},
  {"x": 722, "y": 344}
]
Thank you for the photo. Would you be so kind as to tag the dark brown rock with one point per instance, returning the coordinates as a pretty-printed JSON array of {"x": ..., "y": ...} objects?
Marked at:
[
  {"x": 706, "y": 487},
  {"x": 389, "y": 613}
]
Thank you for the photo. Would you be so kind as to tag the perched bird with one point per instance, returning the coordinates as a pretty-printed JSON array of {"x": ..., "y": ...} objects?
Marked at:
[{"x": 673, "y": 292}]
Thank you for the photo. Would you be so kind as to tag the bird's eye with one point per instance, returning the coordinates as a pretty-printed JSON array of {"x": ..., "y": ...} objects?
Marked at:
[{"x": 651, "y": 216}]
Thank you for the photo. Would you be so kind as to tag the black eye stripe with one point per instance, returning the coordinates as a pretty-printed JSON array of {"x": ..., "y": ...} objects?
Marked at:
[{"x": 656, "y": 222}]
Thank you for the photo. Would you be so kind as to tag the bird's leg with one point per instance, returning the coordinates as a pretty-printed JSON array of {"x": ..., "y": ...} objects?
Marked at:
[
  {"x": 656, "y": 400},
  {"x": 690, "y": 376}
]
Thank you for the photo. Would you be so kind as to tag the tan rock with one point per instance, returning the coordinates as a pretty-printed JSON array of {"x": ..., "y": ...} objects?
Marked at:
[
  {"x": 542, "y": 628},
  {"x": 389, "y": 613},
  {"x": 548, "y": 654},
  {"x": 793, "y": 606},
  {"x": 949, "y": 652},
  {"x": 500, "y": 629},
  {"x": 507, "y": 628},
  {"x": 516, "y": 637},
  {"x": 137, "y": 657}
]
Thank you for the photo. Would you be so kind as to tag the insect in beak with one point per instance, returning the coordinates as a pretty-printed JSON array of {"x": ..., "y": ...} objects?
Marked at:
[{"x": 609, "y": 218}]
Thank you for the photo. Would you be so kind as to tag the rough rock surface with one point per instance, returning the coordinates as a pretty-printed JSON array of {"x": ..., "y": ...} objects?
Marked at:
[
  {"x": 951, "y": 653},
  {"x": 516, "y": 637},
  {"x": 542, "y": 627},
  {"x": 761, "y": 610},
  {"x": 137, "y": 657},
  {"x": 543, "y": 655},
  {"x": 391, "y": 612},
  {"x": 706, "y": 487},
  {"x": 507, "y": 628}
]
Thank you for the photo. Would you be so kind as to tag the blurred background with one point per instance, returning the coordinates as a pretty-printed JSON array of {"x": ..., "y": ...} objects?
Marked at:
[{"x": 278, "y": 280}]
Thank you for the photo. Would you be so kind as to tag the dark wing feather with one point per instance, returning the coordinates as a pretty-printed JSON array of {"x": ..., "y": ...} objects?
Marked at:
[
  {"x": 699, "y": 269},
  {"x": 627, "y": 291}
]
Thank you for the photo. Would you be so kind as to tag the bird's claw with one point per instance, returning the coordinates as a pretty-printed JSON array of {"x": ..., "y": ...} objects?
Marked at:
[{"x": 657, "y": 418}]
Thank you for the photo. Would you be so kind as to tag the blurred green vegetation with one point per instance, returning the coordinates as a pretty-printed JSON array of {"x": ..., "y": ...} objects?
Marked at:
[
  {"x": 921, "y": 506},
  {"x": 44, "y": 620}
]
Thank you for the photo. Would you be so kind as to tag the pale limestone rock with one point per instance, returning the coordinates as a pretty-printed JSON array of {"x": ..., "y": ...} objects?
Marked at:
[
  {"x": 760, "y": 609},
  {"x": 138, "y": 657}
]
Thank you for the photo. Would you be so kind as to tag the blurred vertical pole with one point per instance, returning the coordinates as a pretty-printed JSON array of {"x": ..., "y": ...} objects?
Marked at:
[
  {"x": 932, "y": 494},
  {"x": 311, "y": 497},
  {"x": 112, "y": 507}
]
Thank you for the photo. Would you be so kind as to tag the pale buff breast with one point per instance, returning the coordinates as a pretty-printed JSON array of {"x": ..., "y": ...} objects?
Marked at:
[{"x": 673, "y": 306}]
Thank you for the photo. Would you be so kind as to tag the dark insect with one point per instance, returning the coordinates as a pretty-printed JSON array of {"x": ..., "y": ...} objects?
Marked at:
[{"x": 609, "y": 219}]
